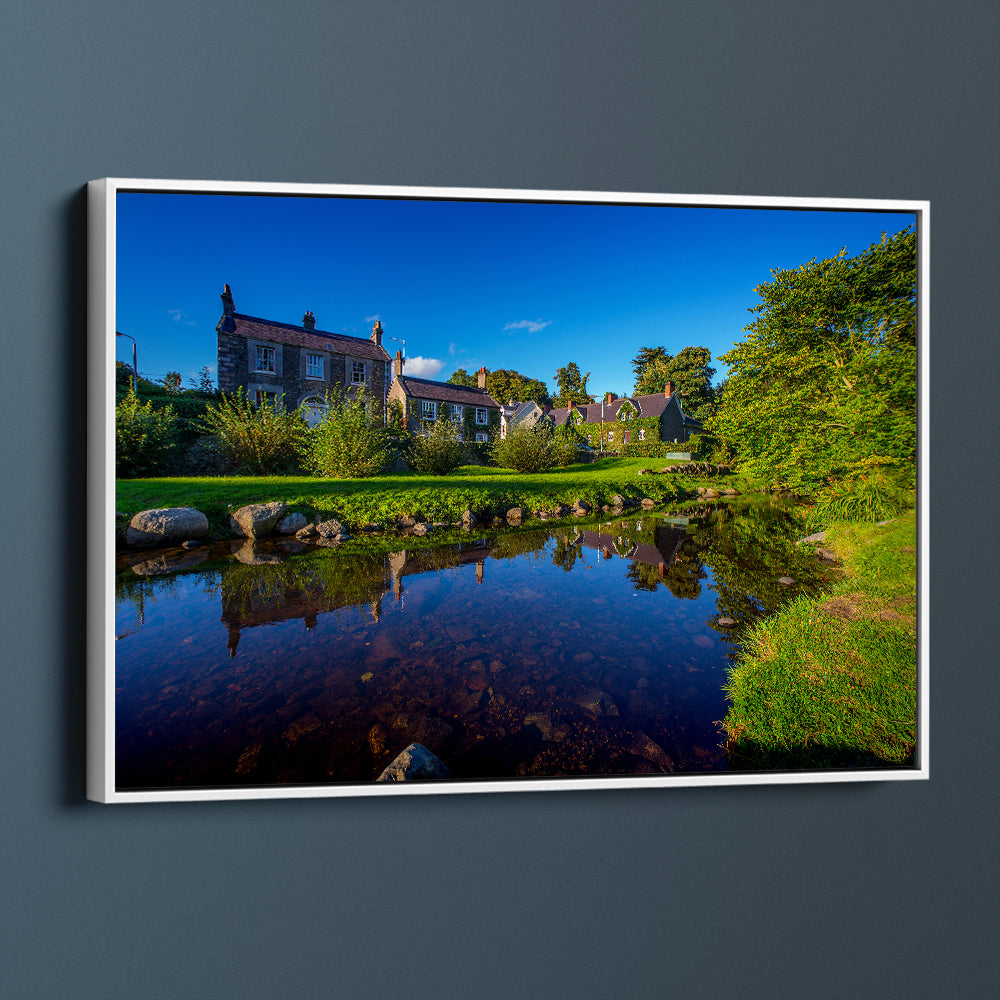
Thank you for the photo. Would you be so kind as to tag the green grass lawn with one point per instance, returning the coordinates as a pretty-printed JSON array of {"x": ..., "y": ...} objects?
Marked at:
[
  {"x": 831, "y": 681},
  {"x": 381, "y": 498}
]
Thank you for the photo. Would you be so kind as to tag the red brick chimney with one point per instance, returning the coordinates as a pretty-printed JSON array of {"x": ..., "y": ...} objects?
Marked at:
[
  {"x": 397, "y": 365},
  {"x": 309, "y": 321},
  {"x": 668, "y": 390},
  {"x": 481, "y": 377},
  {"x": 377, "y": 333}
]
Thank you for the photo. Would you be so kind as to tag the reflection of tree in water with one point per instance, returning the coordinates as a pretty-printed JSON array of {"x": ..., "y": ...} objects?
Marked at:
[{"x": 565, "y": 553}]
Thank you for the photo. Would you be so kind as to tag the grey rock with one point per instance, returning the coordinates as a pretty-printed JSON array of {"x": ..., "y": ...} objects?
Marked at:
[
  {"x": 786, "y": 581},
  {"x": 647, "y": 503},
  {"x": 329, "y": 529},
  {"x": 165, "y": 525},
  {"x": 250, "y": 555},
  {"x": 727, "y": 622},
  {"x": 582, "y": 507},
  {"x": 169, "y": 562},
  {"x": 468, "y": 517},
  {"x": 291, "y": 523},
  {"x": 405, "y": 521},
  {"x": 515, "y": 514},
  {"x": 415, "y": 763},
  {"x": 309, "y": 531},
  {"x": 257, "y": 520}
]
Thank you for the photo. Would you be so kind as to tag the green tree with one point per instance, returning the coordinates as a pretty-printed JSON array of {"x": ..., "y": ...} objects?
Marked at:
[
  {"x": 461, "y": 377},
  {"x": 824, "y": 384},
  {"x": 572, "y": 386},
  {"x": 347, "y": 443},
  {"x": 646, "y": 357},
  {"x": 205, "y": 382},
  {"x": 438, "y": 450},
  {"x": 172, "y": 382},
  {"x": 505, "y": 384},
  {"x": 691, "y": 372}
]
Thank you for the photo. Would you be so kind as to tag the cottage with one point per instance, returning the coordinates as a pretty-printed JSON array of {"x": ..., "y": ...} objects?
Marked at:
[
  {"x": 630, "y": 420},
  {"x": 424, "y": 401},
  {"x": 299, "y": 364},
  {"x": 515, "y": 414}
]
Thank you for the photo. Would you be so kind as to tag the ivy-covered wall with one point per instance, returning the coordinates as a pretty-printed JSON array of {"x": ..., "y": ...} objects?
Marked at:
[{"x": 644, "y": 442}]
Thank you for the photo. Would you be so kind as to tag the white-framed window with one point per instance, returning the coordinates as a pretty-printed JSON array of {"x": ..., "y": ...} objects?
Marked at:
[
  {"x": 481, "y": 415},
  {"x": 480, "y": 437},
  {"x": 264, "y": 358},
  {"x": 357, "y": 373},
  {"x": 642, "y": 433},
  {"x": 611, "y": 435},
  {"x": 589, "y": 440},
  {"x": 314, "y": 366},
  {"x": 428, "y": 409},
  {"x": 624, "y": 414}
]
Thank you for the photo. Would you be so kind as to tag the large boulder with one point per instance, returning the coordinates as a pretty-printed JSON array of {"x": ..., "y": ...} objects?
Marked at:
[
  {"x": 415, "y": 763},
  {"x": 257, "y": 520},
  {"x": 330, "y": 529},
  {"x": 165, "y": 525}
]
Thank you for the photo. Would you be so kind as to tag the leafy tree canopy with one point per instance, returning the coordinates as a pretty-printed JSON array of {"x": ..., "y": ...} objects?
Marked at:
[
  {"x": 572, "y": 386},
  {"x": 461, "y": 377},
  {"x": 504, "y": 384},
  {"x": 691, "y": 372},
  {"x": 824, "y": 383}
]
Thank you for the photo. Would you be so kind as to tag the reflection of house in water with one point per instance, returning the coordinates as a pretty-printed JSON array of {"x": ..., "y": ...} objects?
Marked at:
[
  {"x": 301, "y": 588},
  {"x": 667, "y": 539}
]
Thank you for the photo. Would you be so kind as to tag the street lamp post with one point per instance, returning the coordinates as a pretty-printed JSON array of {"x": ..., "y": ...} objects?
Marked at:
[{"x": 135, "y": 362}]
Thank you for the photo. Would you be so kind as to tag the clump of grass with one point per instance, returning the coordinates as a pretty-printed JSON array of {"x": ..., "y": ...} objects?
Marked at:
[
  {"x": 831, "y": 682},
  {"x": 872, "y": 496}
]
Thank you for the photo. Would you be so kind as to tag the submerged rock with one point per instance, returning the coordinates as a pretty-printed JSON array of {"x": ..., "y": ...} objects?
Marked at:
[
  {"x": 415, "y": 763},
  {"x": 165, "y": 525}
]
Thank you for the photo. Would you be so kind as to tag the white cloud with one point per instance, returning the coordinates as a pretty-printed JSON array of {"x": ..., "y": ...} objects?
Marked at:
[
  {"x": 422, "y": 367},
  {"x": 453, "y": 349},
  {"x": 372, "y": 319},
  {"x": 177, "y": 315},
  {"x": 531, "y": 325}
]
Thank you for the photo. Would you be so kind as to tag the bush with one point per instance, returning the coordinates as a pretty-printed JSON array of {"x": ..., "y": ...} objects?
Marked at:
[
  {"x": 565, "y": 447},
  {"x": 526, "y": 449},
  {"x": 439, "y": 449},
  {"x": 871, "y": 496},
  {"x": 207, "y": 456},
  {"x": 145, "y": 437},
  {"x": 260, "y": 439},
  {"x": 347, "y": 443}
]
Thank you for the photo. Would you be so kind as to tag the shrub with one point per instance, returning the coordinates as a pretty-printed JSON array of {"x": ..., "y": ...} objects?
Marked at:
[
  {"x": 260, "y": 439},
  {"x": 565, "y": 447},
  {"x": 145, "y": 437},
  {"x": 439, "y": 449},
  {"x": 347, "y": 443},
  {"x": 871, "y": 496},
  {"x": 207, "y": 456},
  {"x": 526, "y": 449}
]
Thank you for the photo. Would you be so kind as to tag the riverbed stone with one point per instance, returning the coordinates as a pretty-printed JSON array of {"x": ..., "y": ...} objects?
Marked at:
[
  {"x": 330, "y": 528},
  {"x": 582, "y": 508},
  {"x": 468, "y": 517},
  {"x": 727, "y": 622},
  {"x": 164, "y": 525},
  {"x": 290, "y": 524},
  {"x": 423, "y": 729},
  {"x": 257, "y": 520},
  {"x": 415, "y": 763},
  {"x": 515, "y": 514},
  {"x": 647, "y": 503},
  {"x": 309, "y": 531},
  {"x": 422, "y": 528}
]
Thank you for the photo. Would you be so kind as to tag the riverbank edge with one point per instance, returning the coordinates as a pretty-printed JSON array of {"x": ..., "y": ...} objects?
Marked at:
[{"x": 830, "y": 682}]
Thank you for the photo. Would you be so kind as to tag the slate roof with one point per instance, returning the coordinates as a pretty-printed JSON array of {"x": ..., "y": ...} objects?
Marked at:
[
  {"x": 255, "y": 328},
  {"x": 649, "y": 406},
  {"x": 422, "y": 388}
]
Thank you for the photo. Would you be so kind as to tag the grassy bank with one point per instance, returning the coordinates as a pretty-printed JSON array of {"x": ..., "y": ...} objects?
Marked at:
[
  {"x": 831, "y": 682},
  {"x": 381, "y": 498}
]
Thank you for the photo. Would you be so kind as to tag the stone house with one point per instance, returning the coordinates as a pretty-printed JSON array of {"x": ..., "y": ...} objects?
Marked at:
[
  {"x": 300, "y": 364},
  {"x": 629, "y": 420},
  {"x": 424, "y": 401},
  {"x": 515, "y": 414}
]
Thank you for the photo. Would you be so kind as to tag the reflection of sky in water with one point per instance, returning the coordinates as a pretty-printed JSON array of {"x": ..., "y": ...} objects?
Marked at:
[{"x": 563, "y": 658}]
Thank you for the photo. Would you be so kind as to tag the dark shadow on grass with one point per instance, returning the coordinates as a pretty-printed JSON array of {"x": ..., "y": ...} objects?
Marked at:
[{"x": 752, "y": 755}]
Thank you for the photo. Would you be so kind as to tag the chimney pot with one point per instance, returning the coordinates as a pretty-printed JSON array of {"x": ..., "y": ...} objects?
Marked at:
[
  {"x": 309, "y": 321},
  {"x": 481, "y": 377}
]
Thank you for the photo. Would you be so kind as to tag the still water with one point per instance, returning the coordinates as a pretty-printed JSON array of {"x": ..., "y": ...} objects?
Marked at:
[{"x": 578, "y": 649}]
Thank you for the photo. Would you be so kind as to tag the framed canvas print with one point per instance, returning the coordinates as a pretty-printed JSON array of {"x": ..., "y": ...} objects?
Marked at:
[{"x": 424, "y": 490}]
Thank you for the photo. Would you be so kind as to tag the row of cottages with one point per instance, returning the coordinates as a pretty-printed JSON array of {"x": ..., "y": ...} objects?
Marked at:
[
  {"x": 270, "y": 360},
  {"x": 424, "y": 401}
]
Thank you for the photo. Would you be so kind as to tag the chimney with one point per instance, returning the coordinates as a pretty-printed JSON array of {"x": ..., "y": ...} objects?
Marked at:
[
  {"x": 668, "y": 390},
  {"x": 309, "y": 321},
  {"x": 609, "y": 397},
  {"x": 377, "y": 333},
  {"x": 228, "y": 306},
  {"x": 397, "y": 365},
  {"x": 569, "y": 406},
  {"x": 481, "y": 377}
]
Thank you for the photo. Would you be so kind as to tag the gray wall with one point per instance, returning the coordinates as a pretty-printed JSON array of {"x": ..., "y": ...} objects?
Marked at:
[{"x": 878, "y": 890}]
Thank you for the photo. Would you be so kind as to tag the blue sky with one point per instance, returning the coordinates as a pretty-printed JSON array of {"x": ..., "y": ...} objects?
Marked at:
[{"x": 525, "y": 286}]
